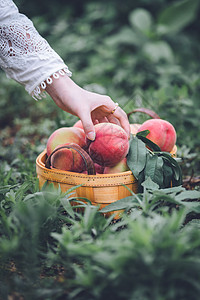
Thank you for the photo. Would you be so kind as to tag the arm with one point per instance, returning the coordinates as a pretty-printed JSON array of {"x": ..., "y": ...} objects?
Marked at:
[
  {"x": 25, "y": 56},
  {"x": 28, "y": 59}
]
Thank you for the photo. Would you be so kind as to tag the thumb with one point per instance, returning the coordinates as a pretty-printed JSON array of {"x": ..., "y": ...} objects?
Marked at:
[{"x": 88, "y": 126}]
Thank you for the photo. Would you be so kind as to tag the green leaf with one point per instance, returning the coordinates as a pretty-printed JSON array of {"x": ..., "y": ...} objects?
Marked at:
[
  {"x": 194, "y": 207},
  {"x": 177, "y": 172},
  {"x": 178, "y": 15},
  {"x": 141, "y": 19},
  {"x": 149, "y": 184},
  {"x": 154, "y": 169},
  {"x": 142, "y": 136},
  {"x": 194, "y": 223},
  {"x": 173, "y": 190},
  {"x": 6, "y": 188},
  {"x": 168, "y": 175},
  {"x": 123, "y": 203},
  {"x": 157, "y": 51},
  {"x": 126, "y": 36},
  {"x": 141, "y": 179},
  {"x": 67, "y": 206},
  {"x": 188, "y": 195},
  {"x": 142, "y": 133},
  {"x": 136, "y": 158},
  {"x": 72, "y": 189}
]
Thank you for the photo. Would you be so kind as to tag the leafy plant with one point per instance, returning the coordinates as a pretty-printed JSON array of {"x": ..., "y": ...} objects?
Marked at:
[
  {"x": 161, "y": 167},
  {"x": 49, "y": 250},
  {"x": 157, "y": 200},
  {"x": 132, "y": 262}
]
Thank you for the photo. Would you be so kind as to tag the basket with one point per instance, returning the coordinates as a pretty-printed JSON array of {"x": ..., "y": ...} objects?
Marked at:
[{"x": 100, "y": 189}]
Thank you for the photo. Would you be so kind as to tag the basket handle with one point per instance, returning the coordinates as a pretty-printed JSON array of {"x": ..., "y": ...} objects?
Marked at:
[
  {"x": 147, "y": 111},
  {"x": 87, "y": 159}
]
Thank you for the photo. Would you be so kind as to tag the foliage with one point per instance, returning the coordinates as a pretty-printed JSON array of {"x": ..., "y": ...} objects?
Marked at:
[
  {"x": 154, "y": 199},
  {"x": 48, "y": 250},
  {"x": 148, "y": 260},
  {"x": 160, "y": 166}
]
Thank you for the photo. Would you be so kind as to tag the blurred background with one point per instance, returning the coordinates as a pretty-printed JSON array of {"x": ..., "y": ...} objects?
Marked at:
[{"x": 141, "y": 53}]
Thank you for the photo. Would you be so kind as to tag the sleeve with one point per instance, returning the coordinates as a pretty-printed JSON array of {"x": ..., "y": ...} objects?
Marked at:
[{"x": 25, "y": 56}]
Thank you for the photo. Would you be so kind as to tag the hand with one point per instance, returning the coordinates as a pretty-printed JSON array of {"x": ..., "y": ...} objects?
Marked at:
[{"x": 90, "y": 107}]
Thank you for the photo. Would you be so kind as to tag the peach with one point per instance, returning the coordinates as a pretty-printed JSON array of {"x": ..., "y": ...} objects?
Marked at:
[
  {"x": 65, "y": 135},
  {"x": 118, "y": 168},
  {"x": 78, "y": 124},
  {"x": 161, "y": 133},
  {"x": 67, "y": 160},
  {"x": 99, "y": 169},
  {"x": 110, "y": 146},
  {"x": 134, "y": 128}
]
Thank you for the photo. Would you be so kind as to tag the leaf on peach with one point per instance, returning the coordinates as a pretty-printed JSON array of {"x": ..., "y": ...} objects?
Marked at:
[{"x": 136, "y": 159}]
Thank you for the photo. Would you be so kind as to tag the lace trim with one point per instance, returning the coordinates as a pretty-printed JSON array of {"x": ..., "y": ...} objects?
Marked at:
[
  {"x": 19, "y": 38},
  {"x": 4, "y": 3},
  {"x": 39, "y": 92}
]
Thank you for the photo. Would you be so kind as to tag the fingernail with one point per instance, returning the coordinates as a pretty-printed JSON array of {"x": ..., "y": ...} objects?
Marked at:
[{"x": 91, "y": 135}]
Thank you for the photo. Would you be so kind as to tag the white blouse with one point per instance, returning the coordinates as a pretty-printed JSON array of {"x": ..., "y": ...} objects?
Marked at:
[{"x": 25, "y": 56}]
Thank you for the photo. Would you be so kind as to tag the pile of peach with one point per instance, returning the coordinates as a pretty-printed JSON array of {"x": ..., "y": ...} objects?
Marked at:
[{"x": 109, "y": 149}]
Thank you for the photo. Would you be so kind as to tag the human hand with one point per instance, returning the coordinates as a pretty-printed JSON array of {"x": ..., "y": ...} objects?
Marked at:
[{"x": 90, "y": 107}]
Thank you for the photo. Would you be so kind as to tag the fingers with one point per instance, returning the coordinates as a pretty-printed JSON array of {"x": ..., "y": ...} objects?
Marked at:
[
  {"x": 105, "y": 114},
  {"x": 102, "y": 109},
  {"x": 101, "y": 120},
  {"x": 113, "y": 120},
  {"x": 88, "y": 125},
  {"x": 117, "y": 115},
  {"x": 121, "y": 116}
]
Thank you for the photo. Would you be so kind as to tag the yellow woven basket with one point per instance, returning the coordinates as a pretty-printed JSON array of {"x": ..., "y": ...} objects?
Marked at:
[{"x": 100, "y": 189}]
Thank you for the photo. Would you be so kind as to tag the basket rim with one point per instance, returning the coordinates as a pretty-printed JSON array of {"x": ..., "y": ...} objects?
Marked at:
[
  {"x": 41, "y": 164},
  {"x": 73, "y": 178}
]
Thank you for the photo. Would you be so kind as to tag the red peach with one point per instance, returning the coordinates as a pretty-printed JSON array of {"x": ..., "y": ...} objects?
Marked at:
[
  {"x": 99, "y": 169},
  {"x": 67, "y": 160},
  {"x": 110, "y": 145},
  {"x": 84, "y": 172},
  {"x": 118, "y": 168},
  {"x": 161, "y": 133},
  {"x": 65, "y": 135}
]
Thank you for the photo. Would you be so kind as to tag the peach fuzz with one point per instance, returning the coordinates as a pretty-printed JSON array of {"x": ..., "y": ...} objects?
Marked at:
[
  {"x": 110, "y": 145},
  {"x": 65, "y": 135},
  {"x": 67, "y": 160},
  {"x": 161, "y": 133},
  {"x": 118, "y": 168}
]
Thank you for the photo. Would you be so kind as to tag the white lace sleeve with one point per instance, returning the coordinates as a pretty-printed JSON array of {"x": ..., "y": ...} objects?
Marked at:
[{"x": 25, "y": 56}]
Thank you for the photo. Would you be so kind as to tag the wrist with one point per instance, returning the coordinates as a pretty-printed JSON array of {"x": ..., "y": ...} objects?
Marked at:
[{"x": 49, "y": 81}]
